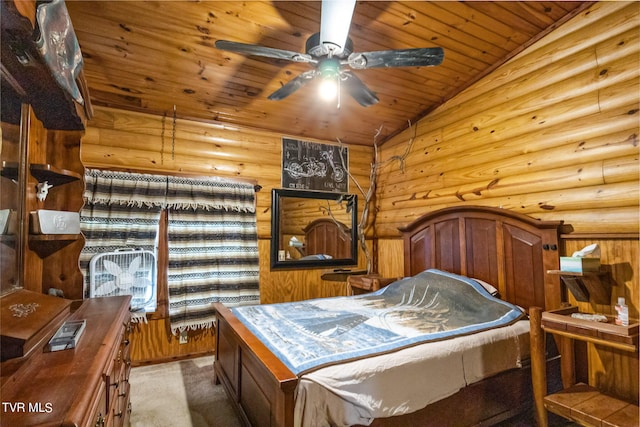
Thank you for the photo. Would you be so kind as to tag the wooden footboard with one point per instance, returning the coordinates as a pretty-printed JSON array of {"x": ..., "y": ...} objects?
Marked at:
[{"x": 260, "y": 386}]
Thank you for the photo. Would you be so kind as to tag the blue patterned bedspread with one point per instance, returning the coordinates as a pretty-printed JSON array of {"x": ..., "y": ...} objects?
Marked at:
[{"x": 432, "y": 305}]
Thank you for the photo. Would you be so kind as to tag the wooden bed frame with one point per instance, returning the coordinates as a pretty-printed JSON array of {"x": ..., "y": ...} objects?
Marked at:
[{"x": 509, "y": 250}]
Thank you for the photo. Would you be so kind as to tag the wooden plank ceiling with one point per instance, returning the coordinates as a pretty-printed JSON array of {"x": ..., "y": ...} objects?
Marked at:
[{"x": 149, "y": 56}]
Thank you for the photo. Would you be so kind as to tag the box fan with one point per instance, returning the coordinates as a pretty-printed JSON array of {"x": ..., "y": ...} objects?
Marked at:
[{"x": 125, "y": 272}]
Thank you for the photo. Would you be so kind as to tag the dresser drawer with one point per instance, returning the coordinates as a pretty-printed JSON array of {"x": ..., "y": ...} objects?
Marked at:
[
  {"x": 117, "y": 378},
  {"x": 89, "y": 380},
  {"x": 100, "y": 409}
]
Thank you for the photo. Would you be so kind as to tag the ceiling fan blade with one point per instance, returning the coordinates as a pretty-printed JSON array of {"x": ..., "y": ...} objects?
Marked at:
[
  {"x": 419, "y": 57},
  {"x": 334, "y": 24},
  {"x": 358, "y": 90},
  {"x": 292, "y": 86},
  {"x": 269, "y": 52}
]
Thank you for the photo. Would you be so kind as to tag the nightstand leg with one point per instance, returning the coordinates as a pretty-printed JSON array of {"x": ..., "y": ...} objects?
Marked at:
[
  {"x": 567, "y": 370},
  {"x": 538, "y": 365}
]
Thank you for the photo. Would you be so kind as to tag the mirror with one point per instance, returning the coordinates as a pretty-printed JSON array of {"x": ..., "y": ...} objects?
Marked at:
[
  {"x": 313, "y": 230},
  {"x": 11, "y": 197}
]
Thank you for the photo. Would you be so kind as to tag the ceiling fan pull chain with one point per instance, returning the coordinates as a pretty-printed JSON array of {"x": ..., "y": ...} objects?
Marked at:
[
  {"x": 173, "y": 135},
  {"x": 164, "y": 119}
]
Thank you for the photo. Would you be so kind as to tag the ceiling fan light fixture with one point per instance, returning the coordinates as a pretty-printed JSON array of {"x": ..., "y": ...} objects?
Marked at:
[
  {"x": 331, "y": 50},
  {"x": 329, "y": 72},
  {"x": 328, "y": 89}
]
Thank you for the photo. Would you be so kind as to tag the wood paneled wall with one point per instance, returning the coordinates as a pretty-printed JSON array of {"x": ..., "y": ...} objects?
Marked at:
[
  {"x": 136, "y": 142},
  {"x": 145, "y": 143},
  {"x": 553, "y": 134}
]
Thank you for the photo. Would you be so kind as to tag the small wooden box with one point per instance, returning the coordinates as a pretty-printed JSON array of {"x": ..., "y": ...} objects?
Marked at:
[
  {"x": 29, "y": 319},
  {"x": 368, "y": 283}
]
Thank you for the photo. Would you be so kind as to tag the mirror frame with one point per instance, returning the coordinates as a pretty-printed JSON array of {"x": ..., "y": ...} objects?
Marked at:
[{"x": 276, "y": 196}]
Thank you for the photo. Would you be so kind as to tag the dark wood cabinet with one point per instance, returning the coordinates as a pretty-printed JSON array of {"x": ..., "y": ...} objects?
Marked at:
[
  {"x": 42, "y": 125},
  {"x": 84, "y": 386}
]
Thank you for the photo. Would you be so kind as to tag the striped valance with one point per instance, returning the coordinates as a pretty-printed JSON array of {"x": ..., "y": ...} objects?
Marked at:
[
  {"x": 209, "y": 193},
  {"x": 124, "y": 188},
  {"x": 136, "y": 189}
]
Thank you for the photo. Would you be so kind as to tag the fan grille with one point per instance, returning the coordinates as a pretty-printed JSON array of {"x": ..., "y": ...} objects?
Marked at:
[{"x": 125, "y": 272}]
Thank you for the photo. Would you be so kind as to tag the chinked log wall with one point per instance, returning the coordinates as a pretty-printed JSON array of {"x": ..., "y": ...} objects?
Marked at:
[{"x": 553, "y": 134}]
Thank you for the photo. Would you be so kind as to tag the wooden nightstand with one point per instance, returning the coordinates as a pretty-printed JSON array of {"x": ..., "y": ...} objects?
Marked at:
[
  {"x": 581, "y": 403},
  {"x": 368, "y": 283}
]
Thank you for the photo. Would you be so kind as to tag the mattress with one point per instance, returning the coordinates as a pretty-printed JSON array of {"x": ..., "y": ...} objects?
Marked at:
[{"x": 407, "y": 380}]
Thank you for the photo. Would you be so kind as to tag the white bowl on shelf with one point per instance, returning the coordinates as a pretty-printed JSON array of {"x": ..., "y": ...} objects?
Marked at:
[{"x": 54, "y": 222}]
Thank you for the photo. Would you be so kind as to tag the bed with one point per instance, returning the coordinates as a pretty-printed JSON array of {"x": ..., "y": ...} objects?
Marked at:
[{"x": 494, "y": 246}]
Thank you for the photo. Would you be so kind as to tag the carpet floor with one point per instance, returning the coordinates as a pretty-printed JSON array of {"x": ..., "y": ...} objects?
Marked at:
[
  {"x": 179, "y": 394},
  {"x": 182, "y": 394}
]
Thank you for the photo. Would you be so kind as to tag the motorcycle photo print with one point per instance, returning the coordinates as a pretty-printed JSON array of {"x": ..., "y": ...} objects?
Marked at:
[{"x": 313, "y": 166}]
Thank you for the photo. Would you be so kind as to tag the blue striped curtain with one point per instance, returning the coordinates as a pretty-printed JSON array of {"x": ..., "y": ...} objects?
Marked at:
[{"x": 213, "y": 249}]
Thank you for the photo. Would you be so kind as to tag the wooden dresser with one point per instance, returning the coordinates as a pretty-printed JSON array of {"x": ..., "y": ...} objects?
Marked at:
[{"x": 85, "y": 386}]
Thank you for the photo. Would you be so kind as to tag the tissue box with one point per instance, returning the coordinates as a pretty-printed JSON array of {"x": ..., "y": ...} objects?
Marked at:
[
  {"x": 579, "y": 264},
  {"x": 54, "y": 222}
]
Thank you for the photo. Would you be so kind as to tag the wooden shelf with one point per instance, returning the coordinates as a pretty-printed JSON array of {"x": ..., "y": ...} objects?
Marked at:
[
  {"x": 53, "y": 175},
  {"x": 580, "y": 402},
  {"x": 9, "y": 170},
  {"x": 586, "y": 405},
  {"x": 368, "y": 283},
  {"x": 46, "y": 244},
  {"x": 588, "y": 286},
  {"x": 622, "y": 337},
  {"x": 340, "y": 275}
]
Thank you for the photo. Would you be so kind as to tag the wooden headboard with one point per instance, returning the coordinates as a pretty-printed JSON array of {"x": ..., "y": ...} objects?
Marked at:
[
  {"x": 328, "y": 236},
  {"x": 509, "y": 250}
]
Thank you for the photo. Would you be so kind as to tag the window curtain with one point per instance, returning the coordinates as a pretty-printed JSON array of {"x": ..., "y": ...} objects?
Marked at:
[
  {"x": 121, "y": 210},
  {"x": 213, "y": 249},
  {"x": 211, "y": 236}
]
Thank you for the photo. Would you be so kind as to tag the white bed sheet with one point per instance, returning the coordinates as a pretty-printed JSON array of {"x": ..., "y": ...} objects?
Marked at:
[{"x": 407, "y": 380}]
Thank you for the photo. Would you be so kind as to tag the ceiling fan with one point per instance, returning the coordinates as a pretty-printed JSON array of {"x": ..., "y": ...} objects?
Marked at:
[{"x": 331, "y": 53}]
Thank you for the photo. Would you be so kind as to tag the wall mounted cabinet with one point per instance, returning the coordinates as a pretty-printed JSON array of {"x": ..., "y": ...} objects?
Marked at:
[{"x": 42, "y": 125}]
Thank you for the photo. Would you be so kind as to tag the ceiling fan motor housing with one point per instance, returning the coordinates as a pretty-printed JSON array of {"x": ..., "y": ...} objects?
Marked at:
[{"x": 317, "y": 49}]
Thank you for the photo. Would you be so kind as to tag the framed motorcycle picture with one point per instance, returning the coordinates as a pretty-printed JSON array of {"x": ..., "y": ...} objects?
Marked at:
[{"x": 314, "y": 166}]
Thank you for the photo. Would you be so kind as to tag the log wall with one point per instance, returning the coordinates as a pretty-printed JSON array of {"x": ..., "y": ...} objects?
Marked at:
[
  {"x": 553, "y": 134},
  {"x": 144, "y": 143}
]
